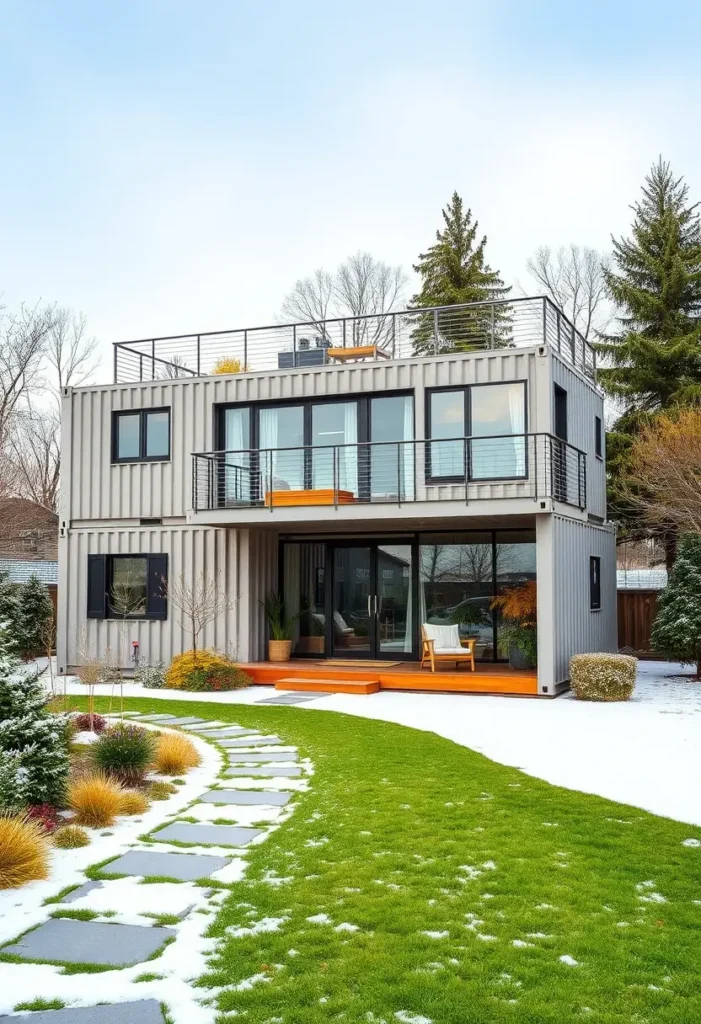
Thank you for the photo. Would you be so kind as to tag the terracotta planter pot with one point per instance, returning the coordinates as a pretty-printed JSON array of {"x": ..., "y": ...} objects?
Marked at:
[{"x": 279, "y": 650}]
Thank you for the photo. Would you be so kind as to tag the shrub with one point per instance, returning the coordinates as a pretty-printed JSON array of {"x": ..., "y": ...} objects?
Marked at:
[
  {"x": 34, "y": 607},
  {"x": 228, "y": 364},
  {"x": 153, "y": 677},
  {"x": 24, "y": 851},
  {"x": 95, "y": 800},
  {"x": 132, "y": 802},
  {"x": 175, "y": 754},
  {"x": 81, "y": 723},
  {"x": 676, "y": 631},
  {"x": 45, "y": 814},
  {"x": 606, "y": 677},
  {"x": 205, "y": 670},
  {"x": 13, "y": 781},
  {"x": 71, "y": 837},
  {"x": 124, "y": 752},
  {"x": 161, "y": 790}
]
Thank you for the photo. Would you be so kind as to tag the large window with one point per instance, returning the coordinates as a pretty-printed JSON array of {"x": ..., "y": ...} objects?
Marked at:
[
  {"x": 235, "y": 469},
  {"x": 391, "y": 453},
  {"x": 493, "y": 416},
  {"x": 280, "y": 428},
  {"x": 141, "y": 436},
  {"x": 127, "y": 586},
  {"x": 461, "y": 574},
  {"x": 335, "y": 424}
]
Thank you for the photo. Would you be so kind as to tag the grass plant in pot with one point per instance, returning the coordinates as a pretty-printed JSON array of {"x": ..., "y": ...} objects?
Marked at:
[
  {"x": 519, "y": 609},
  {"x": 280, "y": 626}
]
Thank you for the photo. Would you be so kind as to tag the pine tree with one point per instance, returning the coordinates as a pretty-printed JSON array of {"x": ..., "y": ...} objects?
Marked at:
[
  {"x": 453, "y": 271},
  {"x": 34, "y": 607},
  {"x": 654, "y": 363},
  {"x": 8, "y": 599},
  {"x": 33, "y": 742},
  {"x": 677, "y": 628}
]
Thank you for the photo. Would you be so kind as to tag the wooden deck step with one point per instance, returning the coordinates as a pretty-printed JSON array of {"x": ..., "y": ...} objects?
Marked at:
[{"x": 329, "y": 685}]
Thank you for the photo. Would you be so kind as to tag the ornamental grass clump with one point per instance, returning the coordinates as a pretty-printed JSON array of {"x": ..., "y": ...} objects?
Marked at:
[
  {"x": 205, "y": 671},
  {"x": 95, "y": 800},
  {"x": 132, "y": 801},
  {"x": 71, "y": 837},
  {"x": 175, "y": 754},
  {"x": 124, "y": 752},
  {"x": 605, "y": 677},
  {"x": 24, "y": 851},
  {"x": 161, "y": 790}
]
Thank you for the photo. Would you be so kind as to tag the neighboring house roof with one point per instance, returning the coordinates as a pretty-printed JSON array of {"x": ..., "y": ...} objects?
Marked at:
[
  {"x": 19, "y": 570},
  {"x": 28, "y": 531},
  {"x": 641, "y": 579}
]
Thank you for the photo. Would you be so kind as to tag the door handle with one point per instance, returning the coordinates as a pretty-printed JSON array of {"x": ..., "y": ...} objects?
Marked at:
[
  {"x": 377, "y": 605},
  {"x": 369, "y": 605}
]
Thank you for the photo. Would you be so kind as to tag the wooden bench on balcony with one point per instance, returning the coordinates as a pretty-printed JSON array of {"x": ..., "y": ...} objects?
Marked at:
[
  {"x": 347, "y": 355},
  {"x": 323, "y": 496}
]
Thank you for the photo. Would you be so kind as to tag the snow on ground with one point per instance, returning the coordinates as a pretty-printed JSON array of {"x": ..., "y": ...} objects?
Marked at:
[{"x": 644, "y": 752}]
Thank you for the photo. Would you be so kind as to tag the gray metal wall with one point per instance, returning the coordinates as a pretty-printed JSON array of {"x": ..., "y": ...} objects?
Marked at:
[
  {"x": 566, "y": 624},
  {"x": 245, "y": 562},
  {"x": 584, "y": 403}
]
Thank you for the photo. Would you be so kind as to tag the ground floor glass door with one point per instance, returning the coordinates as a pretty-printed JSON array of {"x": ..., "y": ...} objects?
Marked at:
[{"x": 372, "y": 601}]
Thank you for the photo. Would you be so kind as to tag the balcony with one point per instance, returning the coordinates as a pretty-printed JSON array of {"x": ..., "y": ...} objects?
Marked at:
[
  {"x": 480, "y": 326},
  {"x": 343, "y": 480}
]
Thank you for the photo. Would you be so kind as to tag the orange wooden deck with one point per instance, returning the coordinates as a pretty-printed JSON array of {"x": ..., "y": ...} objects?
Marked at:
[{"x": 316, "y": 676}]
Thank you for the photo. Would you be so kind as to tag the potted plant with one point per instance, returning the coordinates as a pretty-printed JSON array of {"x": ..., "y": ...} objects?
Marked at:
[
  {"x": 311, "y": 636},
  {"x": 519, "y": 608},
  {"x": 280, "y": 626}
]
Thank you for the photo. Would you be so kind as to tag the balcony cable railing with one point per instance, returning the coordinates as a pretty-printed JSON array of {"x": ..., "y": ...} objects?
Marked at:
[
  {"x": 396, "y": 472},
  {"x": 475, "y": 326}
]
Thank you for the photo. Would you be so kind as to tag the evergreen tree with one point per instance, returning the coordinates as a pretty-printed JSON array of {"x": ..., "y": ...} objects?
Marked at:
[
  {"x": 654, "y": 363},
  {"x": 34, "y": 607},
  {"x": 454, "y": 271},
  {"x": 677, "y": 628},
  {"x": 33, "y": 742},
  {"x": 8, "y": 600}
]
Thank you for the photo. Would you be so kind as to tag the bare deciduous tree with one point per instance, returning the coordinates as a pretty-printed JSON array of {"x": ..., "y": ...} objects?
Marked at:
[
  {"x": 34, "y": 449},
  {"x": 665, "y": 480},
  {"x": 574, "y": 278},
  {"x": 361, "y": 286},
  {"x": 199, "y": 602},
  {"x": 22, "y": 348},
  {"x": 70, "y": 350}
]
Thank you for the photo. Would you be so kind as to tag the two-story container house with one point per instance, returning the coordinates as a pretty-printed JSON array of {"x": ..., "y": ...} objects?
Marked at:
[{"x": 379, "y": 473}]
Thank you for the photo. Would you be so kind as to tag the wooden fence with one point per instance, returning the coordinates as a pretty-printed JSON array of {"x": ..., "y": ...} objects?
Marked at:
[{"x": 636, "y": 613}]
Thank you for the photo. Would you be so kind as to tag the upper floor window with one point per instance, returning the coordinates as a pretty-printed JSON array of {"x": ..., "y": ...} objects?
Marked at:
[
  {"x": 598, "y": 437},
  {"x": 479, "y": 430},
  {"x": 141, "y": 435}
]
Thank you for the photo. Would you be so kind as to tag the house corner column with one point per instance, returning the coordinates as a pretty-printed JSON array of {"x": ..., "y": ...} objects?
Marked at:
[{"x": 545, "y": 569}]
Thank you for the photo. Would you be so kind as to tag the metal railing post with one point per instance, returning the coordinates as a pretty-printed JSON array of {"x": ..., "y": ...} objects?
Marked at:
[
  {"x": 399, "y": 474},
  {"x": 343, "y": 328},
  {"x": 245, "y": 350},
  {"x": 334, "y": 475},
  {"x": 466, "y": 467},
  {"x": 435, "y": 332},
  {"x": 559, "y": 327},
  {"x": 535, "y": 467},
  {"x": 394, "y": 335},
  {"x": 294, "y": 345},
  {"x": 545, "y": 320},
  {"x": 491, "y": 326},
  {"x": 269, "y": 489},
  {"x": 198, "y": 356},
  {"x": 115, "y": 371},
  {"x": 141, "y": 366},
  {"x": 153, "y": 360}
]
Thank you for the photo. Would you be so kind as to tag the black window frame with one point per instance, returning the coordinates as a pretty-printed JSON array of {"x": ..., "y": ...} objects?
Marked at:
[
  {"x": 100, "y": 576},
  {"x": 143, "y": 415},
  {"x": 467, "y": 389},
  {"x": 595, "y": 583},
  {"x": 598, "y": 437}
]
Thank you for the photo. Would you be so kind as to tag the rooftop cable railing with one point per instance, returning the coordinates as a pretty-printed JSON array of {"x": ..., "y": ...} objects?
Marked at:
[{"x": 475, "y": 326}]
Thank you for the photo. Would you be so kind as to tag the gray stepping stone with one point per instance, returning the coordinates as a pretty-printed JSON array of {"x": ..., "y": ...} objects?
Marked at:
[
  {"x": 215, "y": 835},
  {"x": 186, "y": 867},
  {"x": 229, "y": 734},
  {"x": 86, "y": 942},
  {"x": 223, "y": 727},
  {"x": 145, "y": 1011},
  {"x": 156, "y": 718},
  {"x": 265, "y": 798},
  {"x": 184, "y": 721},
  {"x": 292, "y": 699},
  {"x": 239, "y": 756},
  {"x": 204, "y": 727},
  {"x": 81, "y": 891},
  {"x": 253, "y": 741},
  {"x": 282, "y": 773}
]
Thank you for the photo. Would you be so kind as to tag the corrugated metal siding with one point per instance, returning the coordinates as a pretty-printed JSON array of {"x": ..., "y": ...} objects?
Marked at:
[
  {"x": 263, "y": 578},
  {"x": 190, "y": 550},
  {"x": 577, "y": 629},
  {"x": 100, "y": 490},
  {"x": 584, "y": 403}
]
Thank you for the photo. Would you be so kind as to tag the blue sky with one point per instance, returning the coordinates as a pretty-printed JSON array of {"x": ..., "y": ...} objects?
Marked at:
[{"x": 170, "y": 167}]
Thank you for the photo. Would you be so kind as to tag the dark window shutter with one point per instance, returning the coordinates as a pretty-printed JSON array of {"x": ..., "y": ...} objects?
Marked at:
[
  {"x": 156, "y": 602},
  {"x": 97, "y": 586}
]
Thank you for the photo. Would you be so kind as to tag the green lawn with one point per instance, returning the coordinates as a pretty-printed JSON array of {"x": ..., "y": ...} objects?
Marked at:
[{"x": 403, "y": 833}]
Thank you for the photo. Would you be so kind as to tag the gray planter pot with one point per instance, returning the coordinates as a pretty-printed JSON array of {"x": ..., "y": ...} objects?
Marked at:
[{"x": 517, "y": 659}]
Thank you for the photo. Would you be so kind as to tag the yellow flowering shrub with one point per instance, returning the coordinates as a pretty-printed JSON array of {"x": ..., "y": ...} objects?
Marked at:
[{"x": 205, "y": 670}]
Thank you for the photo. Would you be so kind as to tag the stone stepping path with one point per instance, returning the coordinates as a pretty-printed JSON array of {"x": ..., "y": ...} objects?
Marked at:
[
  {"x": 207, "y": 835},
  {"x": 266, "y": 798},
  {"x": 115, "y": 945},
  {"x": 292, "y": 698},
  {"x": 86, "y": 942},
  {"x": 280, "y": 772},
  {"x": 185, "y": 867},
  {"x": 252, "y": 741},
  {"x": 145, "y": 1011},
  {"x": 256, "y": 757}
]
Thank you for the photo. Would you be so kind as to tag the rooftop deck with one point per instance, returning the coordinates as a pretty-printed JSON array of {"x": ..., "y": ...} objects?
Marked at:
[{"x": 479, "y": 326}]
